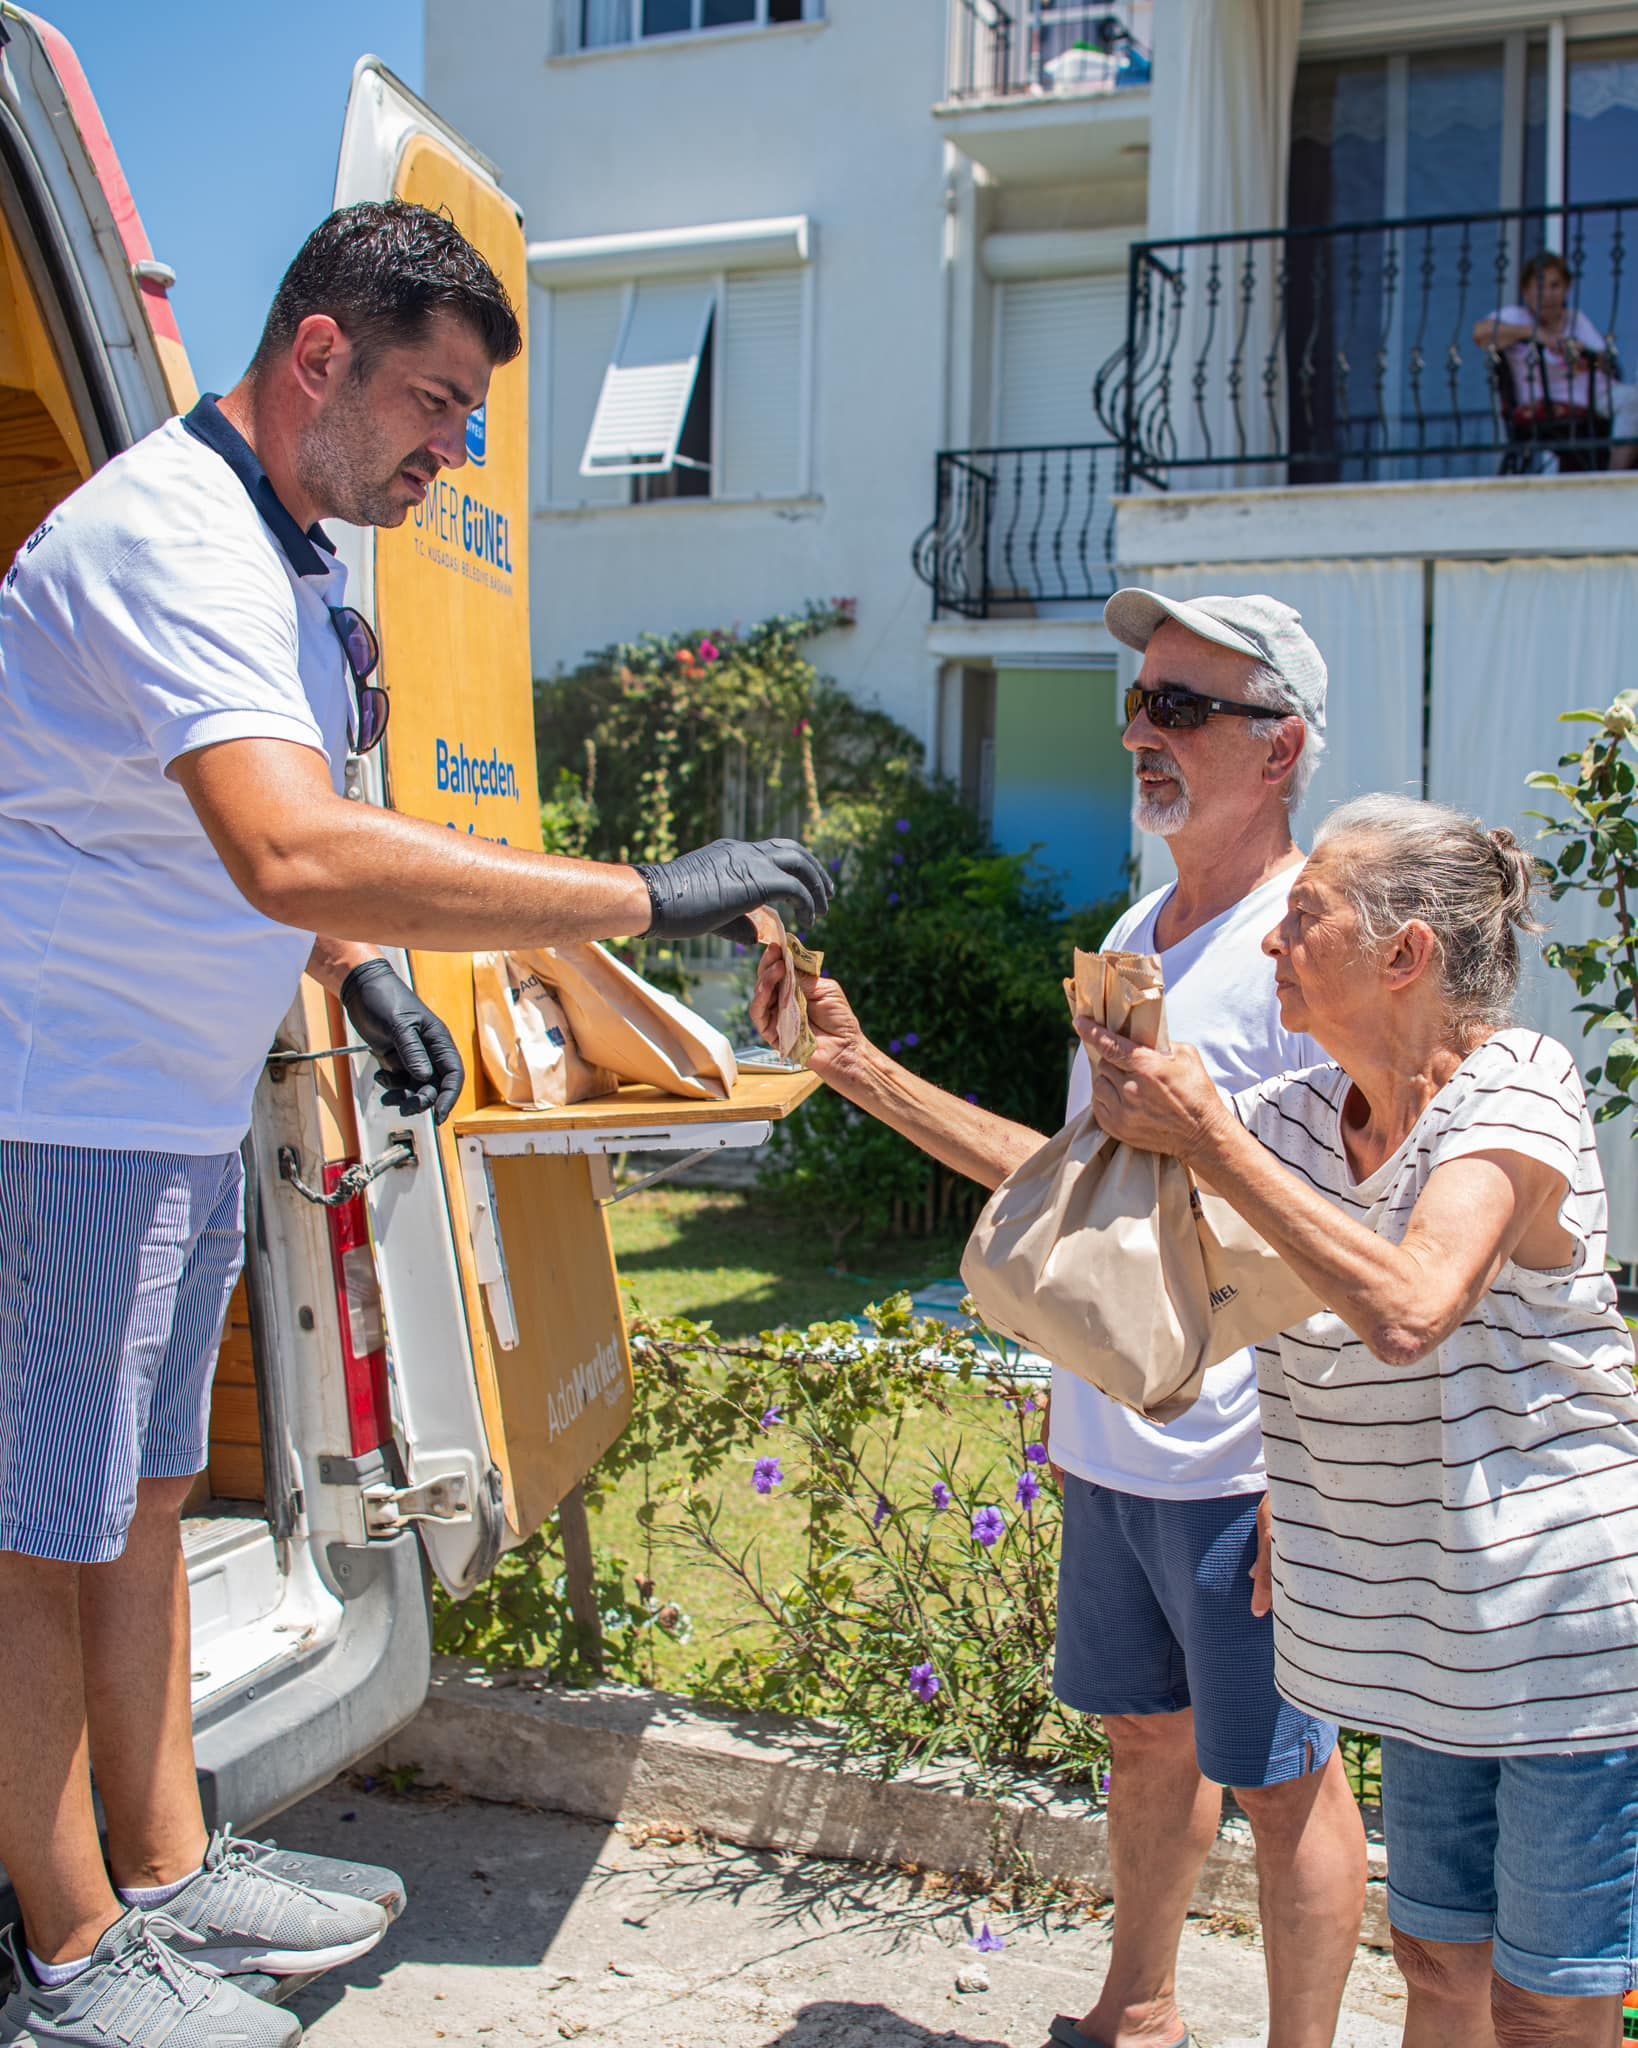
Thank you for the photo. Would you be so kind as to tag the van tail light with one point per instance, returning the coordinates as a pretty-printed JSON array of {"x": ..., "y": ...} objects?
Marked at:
[{"x": 363, "y": 1327}]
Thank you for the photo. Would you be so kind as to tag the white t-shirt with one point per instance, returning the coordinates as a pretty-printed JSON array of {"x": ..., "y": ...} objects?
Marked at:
[
  {"x": 1454, "y": 1539},
  {"x": 1219, "y": 997},
  {"x": 153, "y": 613},
  {"x": 1579, "y": 384}
]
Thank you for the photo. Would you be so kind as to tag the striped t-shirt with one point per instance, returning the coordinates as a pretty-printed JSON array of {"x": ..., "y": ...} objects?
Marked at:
[{"x": 1456, "y": 1547}]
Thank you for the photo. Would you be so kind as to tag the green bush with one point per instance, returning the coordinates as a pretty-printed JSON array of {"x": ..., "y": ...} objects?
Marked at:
[
  {"x": 919, "y": 1636},
  {"x": 954, "y": 956}
]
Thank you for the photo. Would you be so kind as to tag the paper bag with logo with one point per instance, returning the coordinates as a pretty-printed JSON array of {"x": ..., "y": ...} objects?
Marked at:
[
  {"x": 622, "y": 1022},
  {"x": 528, "y": 1051},
  {"x": 1108, "y": 1260}
]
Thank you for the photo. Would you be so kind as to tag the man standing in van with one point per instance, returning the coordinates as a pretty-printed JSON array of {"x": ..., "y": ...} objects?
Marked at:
[{"x": 181, "y": 682}]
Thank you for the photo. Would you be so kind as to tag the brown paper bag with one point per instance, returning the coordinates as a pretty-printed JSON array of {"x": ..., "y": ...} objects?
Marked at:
[
  {"x": 528, "y": 1050},
  {"x": 1109, "y": 1261},
  {"x": 622, "y": 1022}
]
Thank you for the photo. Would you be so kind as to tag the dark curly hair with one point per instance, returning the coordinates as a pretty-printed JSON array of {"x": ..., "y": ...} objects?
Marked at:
[{"x": 381, "y": 269}]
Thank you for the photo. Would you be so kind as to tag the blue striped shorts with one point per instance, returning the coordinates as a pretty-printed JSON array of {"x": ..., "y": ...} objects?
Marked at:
[{"x": 116, "y": 1269}]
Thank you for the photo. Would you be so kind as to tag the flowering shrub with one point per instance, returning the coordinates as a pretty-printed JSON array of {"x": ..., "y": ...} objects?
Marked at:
[{"x": 923, "y": 1613}]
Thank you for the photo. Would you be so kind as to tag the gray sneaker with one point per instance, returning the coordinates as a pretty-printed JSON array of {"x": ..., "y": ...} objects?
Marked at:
[
  {"x": 138, "y": 1993},
  {"x": 237, "y": 1915},
  {"x": 327, "y": 1874}
]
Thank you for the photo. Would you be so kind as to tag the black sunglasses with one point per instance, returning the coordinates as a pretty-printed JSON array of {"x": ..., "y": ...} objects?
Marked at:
[
  {"x": 363, "y": 652},
  {"x": 1171, "y": 708}
]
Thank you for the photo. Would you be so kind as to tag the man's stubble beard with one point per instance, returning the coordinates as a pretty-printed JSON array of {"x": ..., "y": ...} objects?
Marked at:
[
  {"x": 1163, "y": 820},
  {"x": 340, "y": 460}
]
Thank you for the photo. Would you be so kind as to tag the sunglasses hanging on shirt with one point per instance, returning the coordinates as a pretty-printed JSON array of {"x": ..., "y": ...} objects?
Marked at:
[{"x": 363, "y": 652}]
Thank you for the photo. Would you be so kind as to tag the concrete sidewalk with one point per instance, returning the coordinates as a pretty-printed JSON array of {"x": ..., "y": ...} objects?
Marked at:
[{"x": 534, "y": 1928}]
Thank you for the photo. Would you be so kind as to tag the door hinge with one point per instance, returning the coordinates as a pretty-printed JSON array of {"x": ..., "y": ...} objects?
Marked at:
[{"x": 389, "y": 1510}]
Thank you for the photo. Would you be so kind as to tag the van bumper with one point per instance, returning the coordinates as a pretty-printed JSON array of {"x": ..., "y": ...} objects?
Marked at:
[{"x": 286, "y": 1734}]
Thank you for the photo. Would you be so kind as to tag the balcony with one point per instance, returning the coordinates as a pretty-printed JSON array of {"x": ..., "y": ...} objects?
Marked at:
[
  {"x": 1361, "y": 354},
  {"x": 1020, "y": 532},
  {"x": 1046, "y": 91}
]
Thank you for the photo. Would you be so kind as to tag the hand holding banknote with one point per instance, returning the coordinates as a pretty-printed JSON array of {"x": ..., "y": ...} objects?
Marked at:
[{"x": 789, "y": 970}]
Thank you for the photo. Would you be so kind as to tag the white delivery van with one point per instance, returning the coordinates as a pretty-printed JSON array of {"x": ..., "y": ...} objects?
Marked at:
[{"x": 427, "y": 1351}]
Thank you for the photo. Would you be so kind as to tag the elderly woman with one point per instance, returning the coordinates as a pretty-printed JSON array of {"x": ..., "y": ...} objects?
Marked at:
[{"x": 1453, "y": 1441}]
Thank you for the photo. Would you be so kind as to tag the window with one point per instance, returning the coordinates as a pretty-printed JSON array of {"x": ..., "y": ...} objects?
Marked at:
[
  {"x": 608, "y": 24},
  {"x": 669, "y": 388}
]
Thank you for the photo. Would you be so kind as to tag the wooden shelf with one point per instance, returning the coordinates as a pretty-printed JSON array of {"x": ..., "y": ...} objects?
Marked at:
[{"x": 761, "y": 1095}]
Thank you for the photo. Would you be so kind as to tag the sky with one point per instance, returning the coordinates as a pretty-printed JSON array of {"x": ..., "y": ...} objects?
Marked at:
[{"x": 227, "y": 117}]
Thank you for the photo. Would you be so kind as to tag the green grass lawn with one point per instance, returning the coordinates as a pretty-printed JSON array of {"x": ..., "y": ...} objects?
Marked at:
[
  {"x": 742, "y": 1263},
  {"x": 749, "y": 1265}
]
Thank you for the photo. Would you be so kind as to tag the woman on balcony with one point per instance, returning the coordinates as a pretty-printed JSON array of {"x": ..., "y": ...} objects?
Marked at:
[
  {"x": 1452, "y": 1441},
  {"x": 1561, "y": 390}
]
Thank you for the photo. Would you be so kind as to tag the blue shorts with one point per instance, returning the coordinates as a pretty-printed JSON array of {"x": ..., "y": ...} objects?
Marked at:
[
  {"x": 116, "y": 1269},
  {"x": 1154, "y": 1615},
  {"x": 1535, "y": 1854}
]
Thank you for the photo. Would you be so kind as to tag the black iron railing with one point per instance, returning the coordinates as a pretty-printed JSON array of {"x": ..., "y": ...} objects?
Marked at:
[
  {"x": 1045, "y": 46},
  {"x": 1015, "y": 529},
  {"x": 1349, "y": 354}
]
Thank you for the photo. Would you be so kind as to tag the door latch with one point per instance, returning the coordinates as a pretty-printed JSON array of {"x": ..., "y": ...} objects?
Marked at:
[{"x": 389, "y": 1510}]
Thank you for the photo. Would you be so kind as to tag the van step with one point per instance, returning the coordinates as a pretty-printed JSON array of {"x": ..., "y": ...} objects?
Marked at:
[{"x": 207, "y": 1537}]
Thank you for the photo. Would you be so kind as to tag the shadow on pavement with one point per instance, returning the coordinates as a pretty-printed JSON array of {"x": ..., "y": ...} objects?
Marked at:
[
  {"x": 840, "y": 2023},
  {"x": 466, "y": 1908}
]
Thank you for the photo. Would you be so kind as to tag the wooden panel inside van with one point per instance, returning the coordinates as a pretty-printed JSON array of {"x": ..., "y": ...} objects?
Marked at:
[{"x": 43, "y": 454}]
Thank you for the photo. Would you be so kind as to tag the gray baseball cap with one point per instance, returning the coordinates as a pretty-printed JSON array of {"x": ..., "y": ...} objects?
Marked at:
[{"x": 1262, "y": 627}]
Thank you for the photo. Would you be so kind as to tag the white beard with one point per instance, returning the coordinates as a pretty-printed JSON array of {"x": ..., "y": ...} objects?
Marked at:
[{"x": 1162, "y": 819}]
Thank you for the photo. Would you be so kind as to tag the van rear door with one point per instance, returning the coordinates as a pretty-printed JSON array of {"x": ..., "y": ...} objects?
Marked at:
[{"x": 508, "y": 1348}]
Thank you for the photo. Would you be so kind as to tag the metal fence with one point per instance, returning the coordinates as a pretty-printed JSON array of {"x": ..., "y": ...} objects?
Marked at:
[
  {"x": 1017, "y": 528},
  {"x": 1045, "y": 46},
  {"x": 1349, "y": 354}
]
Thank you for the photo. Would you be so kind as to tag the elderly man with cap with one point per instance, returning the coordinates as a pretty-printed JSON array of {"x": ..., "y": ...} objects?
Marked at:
[{"x": 1160, "y": 1629}]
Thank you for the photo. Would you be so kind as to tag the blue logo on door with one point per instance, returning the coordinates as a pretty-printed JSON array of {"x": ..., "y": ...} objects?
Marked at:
[{"x": 477, "y": 435}]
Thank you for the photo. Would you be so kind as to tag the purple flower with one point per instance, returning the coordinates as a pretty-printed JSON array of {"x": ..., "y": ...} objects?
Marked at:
[
  {"x": 970, "y": 1098},
  {"x": 882, "y": 1511},
  {"x": 1105, "y": 1786},
  {"x": 1029, "y": 1490},
  {"x": 1030, "y": 1404},
  {"x": 912, "y": 1038},
  {"x": 898, "y": 860},
  {"x": 710, "y": 651},
  {"x": 925, "y": 1682},
  {"x": 942, "y": 1496},
  {"x": 892, "y": 899},
  {"x": 902, "y": 825},
  {"x": 895, "y": 1045},
  {"x": 769, "y": 1473},
  {"x": 1036, "y": 1453},
  {"x": 772, "y": 1419},
  {"x": 835, "y": 866},
  {"x": 986, "y": 1943},
  {"x": 989, "y": 1526}
]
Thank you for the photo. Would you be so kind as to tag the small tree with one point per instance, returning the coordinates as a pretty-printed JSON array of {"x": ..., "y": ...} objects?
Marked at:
[{"x": 1599, "y": 857}]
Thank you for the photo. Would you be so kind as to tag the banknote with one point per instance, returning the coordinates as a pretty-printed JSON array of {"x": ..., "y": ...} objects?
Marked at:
[{"x": 792, "y": 1037}]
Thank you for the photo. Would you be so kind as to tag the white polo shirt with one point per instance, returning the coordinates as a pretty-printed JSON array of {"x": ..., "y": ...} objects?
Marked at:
[
  {"x": 1219, "y": 997},
  {"x": 161, "y": 608}
]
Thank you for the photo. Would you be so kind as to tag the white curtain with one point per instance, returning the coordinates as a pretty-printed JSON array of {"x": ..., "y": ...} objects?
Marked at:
[
  {"x": 607, "y": 21},
  {"x": 1366, "y": 619},
  {"x": 1514, "y": 644},
  {"x": 1221, "y": 140}
]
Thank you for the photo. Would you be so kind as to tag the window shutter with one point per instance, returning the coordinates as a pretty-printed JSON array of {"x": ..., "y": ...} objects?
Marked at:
[
  {"x": 761, "y": 453},
  {"x": 581, "y": 334},
  {"x": 1056, "y": 334},
  {"x": 649, "y": 380}
]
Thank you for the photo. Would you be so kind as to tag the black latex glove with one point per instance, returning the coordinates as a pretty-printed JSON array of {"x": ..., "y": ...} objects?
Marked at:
[
  {"x": 712, "y": 888},
  {"x": 420, "y": 1067}
]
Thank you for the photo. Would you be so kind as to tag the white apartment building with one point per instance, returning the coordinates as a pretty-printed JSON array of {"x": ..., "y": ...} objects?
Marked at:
[{"x": 973, "y": 309}]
